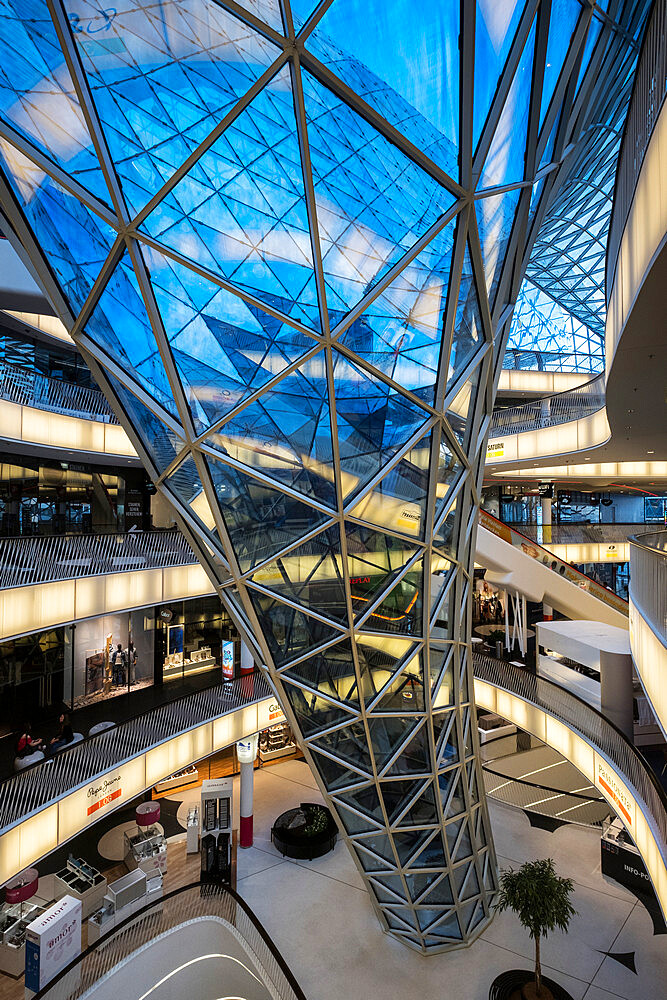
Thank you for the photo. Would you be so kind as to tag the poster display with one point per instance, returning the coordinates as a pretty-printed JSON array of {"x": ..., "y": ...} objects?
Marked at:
[
  {"x": 52, "y": 941},
  {"x": 228, "y": 660}
]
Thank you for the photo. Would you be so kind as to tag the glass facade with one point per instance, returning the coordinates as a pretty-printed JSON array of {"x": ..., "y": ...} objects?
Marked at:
[{"x": 287, "y": 239}]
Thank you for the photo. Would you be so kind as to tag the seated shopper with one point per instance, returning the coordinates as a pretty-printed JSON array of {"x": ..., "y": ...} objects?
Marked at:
[
  {"x": 65, "y": 735},
  {"x": 28, "y": 743}
]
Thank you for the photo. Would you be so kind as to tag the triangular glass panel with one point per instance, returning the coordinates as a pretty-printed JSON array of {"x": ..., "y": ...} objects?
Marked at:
[
  {"x": 449, "y": 471},
  {"x": 352, "y": 822},
  {"x": 445, "y": 532},
  {"x": 432, "y": 856},
  {"x": 267, "y": 10},
  {"x": 451, "y": 797},
  {"x": 564, "y": 17},
  {"x": 404, "y": 912},
  {"x": 443, "y": 684},
  {"x": 422, "y": 812},
  {"x": 495, "y": 218},
  {"x": 120, "y": 324},
  {"x": 469, "y": 887},
  {"x": 401, "y": 331},
  {"x": 159, "y": 440},
  {"x": 378, "y": 843},
  {"x": 260, "y": 520},
  {"x": 408, "y": 89},
  {"x": 387, "y": 735},
  {"x": 408, "y": 843},
  {"x": 75, "y": 241},
  {"x": 495, "y": 27},
  {"x": 400, "y": 609},
  {"x": 37, "y": 96},
  {"x": 365, "y": 800},
  {"x": 289, "y": 632},
  {"x": 374, "y": 560},
  {"x": 186, "y": 484},
  {"x": 379, "y": 658},
  {"x": 415, "y": 758},
  {"x": 335, "y": 775},
  {"x": 468, "y": 336},
  {"x": 441, "y": 722},
  {"x": 448, "y": 751},
  {"x": 313, "y": 712},
  {"x": 442, "y": 574},
  {"x": 426, "y": 916},
  {"x": 224, "y": 348},
  {"x": 374, "y": 422},
  {"x": 162, "y": 77},
  {"x": 420, "y": 882},
  {"x": 241, "y": 209},
  {"x": 477, "y": 917},
  {"x": 310, "y": 575},
  {"x": 405, "y": 693},
  {"x": 389, "y": 888},
  {"x": 330, "y": 672},
  {"x": 398, "y": 502},
  {"x": 448, "y": 929},
  {"x": 461, "y": 410},
  {"x": 347, "y": 744},
  {"x": 440, "y": 893},
  {"x": 373, "y": 203},
  {"x": 463, "y": 847},
  {"x": 397, "y": 794},
  {"x": 287, "y": 433},
  {"x": 505, "y": 160}
]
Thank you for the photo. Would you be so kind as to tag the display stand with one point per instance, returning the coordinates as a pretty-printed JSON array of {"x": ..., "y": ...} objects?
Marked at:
[
  {"x": 188, "y": 776},
  {"x": 192, "y": 835},
  {"x": 81, "y": 881},
  {"x": 146, "y": 848},
  {"x": 216, "y": 827},
  {"x": 276, "y": 741},
  {"x": 124, "y": 897},
  {"x": 21, "y": 906}
]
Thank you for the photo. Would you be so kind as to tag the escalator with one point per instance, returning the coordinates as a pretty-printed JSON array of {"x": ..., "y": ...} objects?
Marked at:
[{"x": 518, "y": 564}]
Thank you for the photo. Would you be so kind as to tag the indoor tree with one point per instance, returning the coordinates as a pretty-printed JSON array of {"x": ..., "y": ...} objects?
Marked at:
[{"x": 541, "y": 900}]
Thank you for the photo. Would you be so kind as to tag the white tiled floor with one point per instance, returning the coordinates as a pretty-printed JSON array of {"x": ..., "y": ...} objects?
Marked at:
[{"x": 321, "y": 917}]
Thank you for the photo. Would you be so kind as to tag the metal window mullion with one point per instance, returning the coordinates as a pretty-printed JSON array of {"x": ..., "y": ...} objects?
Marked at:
[{"x": 81, "y": 86}]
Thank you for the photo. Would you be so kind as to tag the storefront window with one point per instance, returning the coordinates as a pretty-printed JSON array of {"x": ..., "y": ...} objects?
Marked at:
[
  {"x": 197, "y": 637},
  {"x": 33, "y": 676}
]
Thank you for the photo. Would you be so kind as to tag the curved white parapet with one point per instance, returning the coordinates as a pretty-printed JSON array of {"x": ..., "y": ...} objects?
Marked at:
[
  {"x": 595, "y": 767},
  {"x": 607, "y": 472},
  {"x": 28, "y": 425},
  {"x": 650, "y": 656},
  {"x": 37, "y": 835},
  {"x": 546, "y": 443},
  {"x": 46, "y": 605}
]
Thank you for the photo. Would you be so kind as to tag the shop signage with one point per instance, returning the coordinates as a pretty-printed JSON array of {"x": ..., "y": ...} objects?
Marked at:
[
  {"x": 52, "y": 941},
  {"x": 228, "y": 660},
  {"x": 269, "y": 713},
  {"x": 246, "y": 750},
  {"x": 105, "y": 792},
  {"x": 495, "y": 449},
  {"x": 616, "y": 792},
  {"x": 165, "y": 614}
]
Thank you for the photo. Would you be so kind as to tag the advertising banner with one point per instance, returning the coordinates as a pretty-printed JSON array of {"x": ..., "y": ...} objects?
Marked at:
[
  {"x": 52, "y": 941},
  {"x": 228, "y": 660}
]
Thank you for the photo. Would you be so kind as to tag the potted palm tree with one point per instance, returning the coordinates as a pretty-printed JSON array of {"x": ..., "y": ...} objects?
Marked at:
[{"x": 541, "y": 900}]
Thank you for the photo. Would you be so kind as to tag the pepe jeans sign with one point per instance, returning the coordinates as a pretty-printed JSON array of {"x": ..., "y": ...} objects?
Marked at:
[
  {"x": 52, "y": 941},
  {"x": 101, "y": 795}
]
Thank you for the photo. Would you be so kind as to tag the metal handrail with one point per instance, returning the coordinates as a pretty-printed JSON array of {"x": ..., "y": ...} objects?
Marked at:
[
  {"x": 187, "y": 903},
  {"x": 649, "y": 91},
  {"x": 37, "y": 786},
  {"x": 561, "y": 534},
  {"x": 591, "y": 725},
  {"x": 648, "y": 579},
  {"x": 27, "y": 560},
  {"x": 547, "y": 558},
  {"x": 549, "y": 411},
  {"x": 30, "y": 388},
  {"x": 539, "y": 786}
]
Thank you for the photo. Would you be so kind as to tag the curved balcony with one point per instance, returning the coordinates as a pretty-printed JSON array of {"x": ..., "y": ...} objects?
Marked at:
[
  {"x": 550, "y": 411},
  {"x": 648, "y": 617},
  {"x": 594, "y": 745},
  {"x": 219, "y": 940},
  {"x": 44, "y": 806},
  {"x": 59, "y": 579},
  {"x": 30, "y": 388}
]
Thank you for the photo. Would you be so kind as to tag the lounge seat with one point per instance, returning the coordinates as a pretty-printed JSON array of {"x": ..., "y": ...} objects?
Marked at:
[{"x": 33, "y": 758}]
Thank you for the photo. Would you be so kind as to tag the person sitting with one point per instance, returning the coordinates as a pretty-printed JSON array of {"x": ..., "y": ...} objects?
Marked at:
[
  {"x": 28, "y": 744},
  {"x": 65, "y": 735}
]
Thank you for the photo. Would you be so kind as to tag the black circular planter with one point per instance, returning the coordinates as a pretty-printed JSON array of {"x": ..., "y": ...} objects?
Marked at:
[
  {"x": 290, "y": 833},
  {"x": 507, "y": 983}
]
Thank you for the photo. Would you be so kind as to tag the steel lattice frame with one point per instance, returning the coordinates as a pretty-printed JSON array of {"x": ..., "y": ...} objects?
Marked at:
[{"x": 295, "y": 290}]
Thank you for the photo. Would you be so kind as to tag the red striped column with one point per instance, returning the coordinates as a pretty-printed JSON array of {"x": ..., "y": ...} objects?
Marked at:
[{"x": 246, "y": 751}]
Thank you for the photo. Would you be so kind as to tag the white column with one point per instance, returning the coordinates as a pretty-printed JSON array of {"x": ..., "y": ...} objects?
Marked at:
[
  {"x": 547, "y": 611},
  {"x": 246, "y": 751}
]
